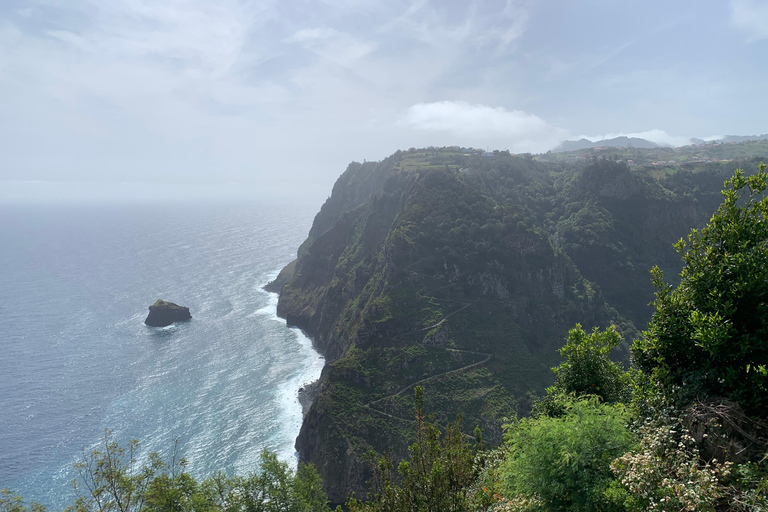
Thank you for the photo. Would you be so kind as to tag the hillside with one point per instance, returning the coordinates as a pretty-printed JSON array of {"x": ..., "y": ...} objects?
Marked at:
[
  {"x": 575, "y": 145},
  {"x": 640, "y": 153},
  {"x": 463, "y": 273},
  {"x": 698, "y": 145}
]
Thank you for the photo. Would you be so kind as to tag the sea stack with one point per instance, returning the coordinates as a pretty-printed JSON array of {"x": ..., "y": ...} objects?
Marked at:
[{"x": 163, "y": 313}]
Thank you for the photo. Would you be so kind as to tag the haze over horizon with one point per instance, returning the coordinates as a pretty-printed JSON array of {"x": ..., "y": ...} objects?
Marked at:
[{"x": 282, "y": 95}]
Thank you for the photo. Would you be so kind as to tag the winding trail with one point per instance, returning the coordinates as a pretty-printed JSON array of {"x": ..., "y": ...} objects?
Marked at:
[
  {"x": 465, "y": 306},
  {"x": 370, "y": 405},
  {"x": 439, "y": 323},
  {"x": 455, "y": 370}
]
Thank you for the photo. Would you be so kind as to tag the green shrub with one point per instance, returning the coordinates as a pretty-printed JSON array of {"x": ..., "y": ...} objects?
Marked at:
[
  {"x": 110, "y": 479},
  {"x": 563, "y": 463}
]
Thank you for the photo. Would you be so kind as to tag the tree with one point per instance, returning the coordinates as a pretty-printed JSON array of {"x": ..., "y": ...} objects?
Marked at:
[
  {"x": 276, "y": 488},
  {"x": 586, "y": 370},
  {"x": 178, "y": 492},
  {"x": 111, "y": 480},
  {"x": 435, "y": 478},
  {"x": 172, "y": 489},
  {"x": 10, "y": 501},
  {"x": 709, "y": 336},
  {"x": 308, "y": 489}
]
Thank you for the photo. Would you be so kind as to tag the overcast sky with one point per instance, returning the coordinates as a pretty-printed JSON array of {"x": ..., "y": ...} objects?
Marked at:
[{"x": 289, "y": 92}]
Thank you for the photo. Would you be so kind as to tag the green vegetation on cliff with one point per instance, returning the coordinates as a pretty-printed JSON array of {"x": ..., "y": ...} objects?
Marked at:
[
  {"x": 463, "y": 274},
  {"x": 685, "y": 431}
]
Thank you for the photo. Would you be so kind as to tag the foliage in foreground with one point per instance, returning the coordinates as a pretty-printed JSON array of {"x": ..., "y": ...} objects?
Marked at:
[
  {"x": 112, "y": 480},
  {"x": 560, "y": 458},
  {"x": 436, "y": 478},
  {"x": 565, "y": 461},
  {"x": 708, "y": 335},
  {"x": 704, "y": 383},
  {"x": 586, "y": 370}
]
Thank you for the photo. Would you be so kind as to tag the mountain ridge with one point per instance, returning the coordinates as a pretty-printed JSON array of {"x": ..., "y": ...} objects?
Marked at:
[{"x": 639, "y": 142}]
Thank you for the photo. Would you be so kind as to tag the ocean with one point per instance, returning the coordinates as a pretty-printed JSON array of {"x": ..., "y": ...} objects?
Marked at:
[{"x": 75, "y": 285}]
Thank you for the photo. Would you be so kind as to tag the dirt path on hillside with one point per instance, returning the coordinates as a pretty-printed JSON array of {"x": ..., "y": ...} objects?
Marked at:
[
  {"x": 370, "y": 405},
  {"x": 455, "y": 370}
]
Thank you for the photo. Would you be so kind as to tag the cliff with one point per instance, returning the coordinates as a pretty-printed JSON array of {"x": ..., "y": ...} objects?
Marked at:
[{"x": 463, "y": 274}]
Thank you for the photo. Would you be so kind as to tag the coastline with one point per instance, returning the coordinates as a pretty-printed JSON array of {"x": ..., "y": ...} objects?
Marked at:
[{"x": 300, "y": 391}]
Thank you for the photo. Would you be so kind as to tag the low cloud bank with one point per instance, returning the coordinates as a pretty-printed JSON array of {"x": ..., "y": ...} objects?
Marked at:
[
  {"x": 482, "y": 125},
  {"x": 479, "y": 125}
]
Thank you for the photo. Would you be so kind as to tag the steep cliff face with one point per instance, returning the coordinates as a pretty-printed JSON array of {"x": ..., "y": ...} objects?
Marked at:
[
  {"x": 463, "y": 276},
  {"x": 337, "y": 265},
  {"x": 353, "y": 188}
]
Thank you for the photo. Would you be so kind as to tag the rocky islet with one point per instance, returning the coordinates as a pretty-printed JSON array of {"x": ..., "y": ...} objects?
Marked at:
[{"x": 163, "y": 313}]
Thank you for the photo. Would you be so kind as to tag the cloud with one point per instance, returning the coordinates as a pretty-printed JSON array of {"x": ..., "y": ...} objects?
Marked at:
[
  {"x": 337, "y": 47},
  {"x": 660, "y": 137},
  {"x": 189, "y": 51},
  {"x": 94, "y": 81},
  {"x": 156, "y": 89},
  {"x": 69, "y": 37},
  {"x": 518, "y": 15},
  {"x": 494, "y": 24},
  {"x": 484, "y": 125},
  {"x": 750, "y": 17}
]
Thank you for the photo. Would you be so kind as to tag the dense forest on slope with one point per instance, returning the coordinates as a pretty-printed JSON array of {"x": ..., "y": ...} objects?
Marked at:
[
  {"x": 683, "y": 429},
  {"x": 463, "y": 274}
]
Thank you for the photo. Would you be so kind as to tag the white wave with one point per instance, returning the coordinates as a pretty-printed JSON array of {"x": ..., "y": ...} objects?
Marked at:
[
  {"x": 288, "y": 393},
  {"x": 270, "y": 310}
]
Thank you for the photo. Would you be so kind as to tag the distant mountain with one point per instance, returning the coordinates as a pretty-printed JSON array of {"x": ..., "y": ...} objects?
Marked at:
[
  {"x": 743, "y": 138},
  {"x": 697, "y": 152},
  {"x": 636, "y": 142},
  {"x": 618, "y": 142}
]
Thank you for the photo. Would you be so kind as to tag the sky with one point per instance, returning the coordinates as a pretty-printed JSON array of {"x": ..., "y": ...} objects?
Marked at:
[{"x": 282, "y": 95}]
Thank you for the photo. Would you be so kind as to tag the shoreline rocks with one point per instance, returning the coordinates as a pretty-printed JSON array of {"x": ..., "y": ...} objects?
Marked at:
[
  {"x": 163, "y": 313},
  {"x": 307, "y": 395}
]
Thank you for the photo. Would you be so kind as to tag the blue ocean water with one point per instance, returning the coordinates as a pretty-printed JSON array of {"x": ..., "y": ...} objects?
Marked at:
[{"x": 75, "y": 284}]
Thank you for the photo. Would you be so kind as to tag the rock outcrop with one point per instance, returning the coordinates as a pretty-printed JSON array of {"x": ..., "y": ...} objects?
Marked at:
[
  {"x": 163, "y": 313},
  {"x": 284, "y": 277}
]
